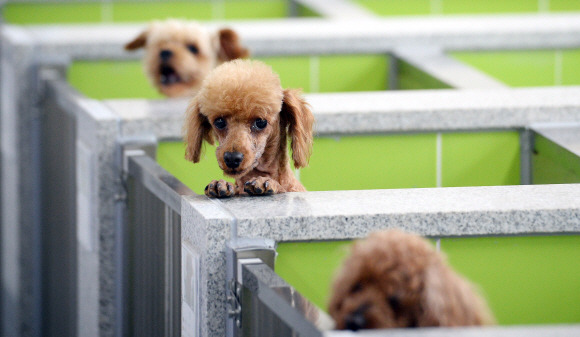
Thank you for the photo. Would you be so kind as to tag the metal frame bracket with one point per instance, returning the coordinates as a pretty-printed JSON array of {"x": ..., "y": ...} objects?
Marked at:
[{"x": 240, "y": 252}]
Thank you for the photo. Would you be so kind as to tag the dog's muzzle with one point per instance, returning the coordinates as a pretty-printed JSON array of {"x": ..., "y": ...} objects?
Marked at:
[{"x": 233, "y": 159}]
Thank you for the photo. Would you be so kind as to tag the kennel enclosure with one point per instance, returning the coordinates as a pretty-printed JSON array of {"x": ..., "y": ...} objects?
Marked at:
[{"x": 90, "y": 136}]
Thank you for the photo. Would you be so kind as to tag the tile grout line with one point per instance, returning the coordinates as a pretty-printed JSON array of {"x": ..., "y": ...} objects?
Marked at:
[
  {"x": 106, "y": 11},
  {"x": 543, "y": 6},
  {"x": 218, "y": 10},
  {"x": 436, "y": 7},
  {"x": 314, "y": 66},
  {"x": 438, "y": 162},
  {"x": 558, "y": 67}
]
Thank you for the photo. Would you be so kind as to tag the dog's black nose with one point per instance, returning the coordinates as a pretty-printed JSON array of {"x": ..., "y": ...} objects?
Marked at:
[
  {"x": 165, "y": 54},
  {"x": 356, "y": 320},
  {"x": 233, "y": 159}
]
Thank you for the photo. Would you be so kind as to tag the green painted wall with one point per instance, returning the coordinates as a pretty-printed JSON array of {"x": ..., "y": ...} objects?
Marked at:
[
  {"x": 480, "y": 159},
  {"x": 47, "y": 13},
  {"x": 118, "y": 11},
  {"x": 111, "y": 79},
  {"x": 371, "y": 162},
  {"x": 171, "y": 156},
  {"x": 424, "y": 7},
  {"x": 411, "y": 78},
  {"x": 116, "y": 79},
  {"x": 312, "y": 279},
  {"x": 527, "y": 68},
  {"x": 397, "y": 7},
  {"x": 553, "y": 164},
  {"x": 381, "y": 162},
  {"x": 526, "y": 280}
]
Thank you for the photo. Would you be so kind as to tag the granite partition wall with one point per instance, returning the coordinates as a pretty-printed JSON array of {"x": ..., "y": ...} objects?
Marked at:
[
  {"x": 308, "y": 216},
  {"x": 206, "y": 225}
]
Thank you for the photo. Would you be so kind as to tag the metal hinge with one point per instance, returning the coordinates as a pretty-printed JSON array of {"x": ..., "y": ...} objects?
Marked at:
[
  {"x": 239, "y": 252},
  {"x": 234, "y": 302}
]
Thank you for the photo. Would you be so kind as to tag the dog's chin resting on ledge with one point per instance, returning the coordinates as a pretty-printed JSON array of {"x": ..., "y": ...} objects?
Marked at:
[
  {"x": 394, "y": 279},
  {"x": 243, "y": 105}
]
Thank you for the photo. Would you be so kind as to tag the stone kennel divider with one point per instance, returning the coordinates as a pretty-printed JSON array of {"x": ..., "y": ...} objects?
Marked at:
[
  {"x": 206, "y": 225},
  {"x": 86, "y": 197}
]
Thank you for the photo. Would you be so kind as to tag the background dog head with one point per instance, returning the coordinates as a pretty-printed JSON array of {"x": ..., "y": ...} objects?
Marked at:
[
  {"x": 395, "y": 279},
  {"x": 243, "y": 105},
  {"x": 179, "y": 54}
]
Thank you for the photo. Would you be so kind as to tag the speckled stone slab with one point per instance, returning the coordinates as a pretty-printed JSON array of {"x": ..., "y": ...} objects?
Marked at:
[
  {"x": 566, "y": 135},
  {"x": 362, "y": 35},
  {"x": 389, "y": 111},
  {"x": 453, "y": 211},
  {"x": 436, "y": 212}
]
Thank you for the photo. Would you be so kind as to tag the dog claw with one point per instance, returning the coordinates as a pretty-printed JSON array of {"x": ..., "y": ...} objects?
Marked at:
[
  {"x": 260, "y": 186},
  {"x": 219, "y": 189}
]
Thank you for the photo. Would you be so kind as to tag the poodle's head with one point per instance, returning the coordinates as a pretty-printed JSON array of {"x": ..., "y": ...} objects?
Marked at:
[
  {"x": 179, "y": 54},
  {"x": 243, "y": 105},
  {"x": 395, "y": 279}
]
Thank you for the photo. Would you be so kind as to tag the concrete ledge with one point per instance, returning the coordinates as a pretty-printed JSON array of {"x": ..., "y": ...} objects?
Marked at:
[
  {"x": 563, "y": 134},
  {"x": 457, "y": 211},
  {"x": 389, "y": 111},
  {"x": 295, "y": 36}
]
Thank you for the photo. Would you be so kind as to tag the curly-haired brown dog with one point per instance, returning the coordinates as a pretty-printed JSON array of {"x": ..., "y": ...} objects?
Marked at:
[
  {"x": 243, "y": 104},
  {"x": 180, "y": 54},
  {"x": 395, "y": 279}
]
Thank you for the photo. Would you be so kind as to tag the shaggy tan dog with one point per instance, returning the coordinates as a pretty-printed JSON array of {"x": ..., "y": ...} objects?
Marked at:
[
  {"x": 179, "y": 54},
  {"x": 243, "y": 105},
  {"x": 395, "y": 279}
]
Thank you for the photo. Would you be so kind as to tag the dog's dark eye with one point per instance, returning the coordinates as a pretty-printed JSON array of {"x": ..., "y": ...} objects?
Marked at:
[
  {"x": 220, "y": 123},
  {"x": 260, "y": 124},
  {"x": 193, "y": 48}
]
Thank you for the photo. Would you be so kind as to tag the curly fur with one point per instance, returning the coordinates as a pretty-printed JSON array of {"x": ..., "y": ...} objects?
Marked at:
[
  {"x": 395, "y": 279},
  {"x": 240, "y": 92},
  {"x": 182, "y": 73}
]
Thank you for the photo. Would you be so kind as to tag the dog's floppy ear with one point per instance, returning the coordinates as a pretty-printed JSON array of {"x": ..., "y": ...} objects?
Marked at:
[
  {"x": 449, "y": 300},
  {"x": 297, "y": 116},
  {"x": 197, "y": 128},
  {"x": 138, "y": 42},
  {"x": 230, "y": 47}
]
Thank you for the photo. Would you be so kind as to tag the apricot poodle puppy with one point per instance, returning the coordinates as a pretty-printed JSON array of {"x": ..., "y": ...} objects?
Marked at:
[
  {"x": 180, "y": 54},
  {"x": 395, "y": 279},
  {"x": 243, "y": 105}
]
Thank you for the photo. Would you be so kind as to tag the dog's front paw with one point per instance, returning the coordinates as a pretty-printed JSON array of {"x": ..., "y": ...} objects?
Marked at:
[
  {"x": 220, "y": 189},
  {"x": 262, "y": 186}
]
